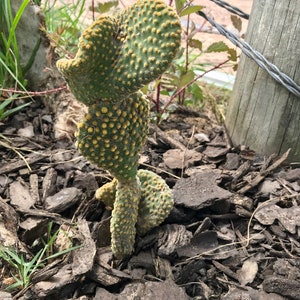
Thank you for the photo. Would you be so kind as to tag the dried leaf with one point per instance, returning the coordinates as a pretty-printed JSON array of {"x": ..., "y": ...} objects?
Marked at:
[
  {"x": 236, "y": 22},
  {"x": 232, "y": 55},
  {"x": 248, "y": 272},
  {"x": 180, "y": 159}
]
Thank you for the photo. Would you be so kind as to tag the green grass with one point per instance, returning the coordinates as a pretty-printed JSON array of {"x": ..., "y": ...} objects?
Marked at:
[
  {"x": 23, "y": 269},
  {"x": 63, "y": 24},
  {"x": 12, "y": 73},
  {"x": 6, "y": 109}
]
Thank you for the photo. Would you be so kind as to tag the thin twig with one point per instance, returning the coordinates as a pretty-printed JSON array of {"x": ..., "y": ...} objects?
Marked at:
[
  {"x": 40, "y": 93},
  {"x": 191, "y": 82}
]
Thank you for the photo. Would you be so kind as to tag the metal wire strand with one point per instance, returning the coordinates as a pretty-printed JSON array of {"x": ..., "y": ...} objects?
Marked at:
[
  {"x": 272, "y": 70},
  {"x": 232, "y": 9}
]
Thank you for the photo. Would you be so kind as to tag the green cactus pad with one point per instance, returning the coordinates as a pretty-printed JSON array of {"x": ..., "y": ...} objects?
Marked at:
[
  {"x": 155, "y": 204},
  {"x": 107, "y": 193},
  {"x": 112, "y": 134},
  {"x": 124, "y": 218},
  {"x": 156, "y": 201},
  {"x": 118, "y": 55}
]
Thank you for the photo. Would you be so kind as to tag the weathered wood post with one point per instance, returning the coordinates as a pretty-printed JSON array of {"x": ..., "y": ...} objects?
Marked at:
[{"x": 262, "y": 114}]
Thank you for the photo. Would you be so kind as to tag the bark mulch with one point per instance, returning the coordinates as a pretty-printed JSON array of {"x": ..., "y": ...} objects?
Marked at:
[{"x": 233, "y": 233}]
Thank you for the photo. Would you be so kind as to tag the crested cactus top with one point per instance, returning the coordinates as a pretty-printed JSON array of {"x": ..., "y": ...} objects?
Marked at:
[{"x": 119, "y": 54}]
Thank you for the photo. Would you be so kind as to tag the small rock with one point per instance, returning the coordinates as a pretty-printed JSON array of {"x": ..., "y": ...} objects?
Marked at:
[
  {"x": 201, "y": 137},
  {"x": 5, "y": 296},
  {"x": 26, "y": 131},
  {"x": 269, "y": 187},
  {"x": 47, "y": 118},
  {"x": 282, "y": 286},
  {"x": 250, "y": 294},
  {"x": 181, "y": 159},
  {"x": 248, "y": 272},
  {"x": 200, "y": 190},
  {"x": 20, "y": 195},
  {"x": 232, "y": 161},
  {"x": 293, "y": 175}
]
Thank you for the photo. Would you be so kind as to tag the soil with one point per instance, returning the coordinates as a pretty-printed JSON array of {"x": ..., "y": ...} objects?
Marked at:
[{"x": 233, "y": 232}]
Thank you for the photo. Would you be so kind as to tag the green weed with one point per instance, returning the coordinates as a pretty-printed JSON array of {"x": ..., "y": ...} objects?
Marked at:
[
  {"x": 179, "y": 85},
  {"x": 11, "y": 70},
  {"x": 63, "y": 24},
  {"x": 22, "y": 268},
  {"x": 6, "y": 109}
]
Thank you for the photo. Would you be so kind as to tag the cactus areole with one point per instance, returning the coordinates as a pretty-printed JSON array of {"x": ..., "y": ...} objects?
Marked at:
[{"x": 117, "y": 55}]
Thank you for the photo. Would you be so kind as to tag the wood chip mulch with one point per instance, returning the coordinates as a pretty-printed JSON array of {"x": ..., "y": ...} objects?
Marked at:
[{"x": 233, "y": 233}]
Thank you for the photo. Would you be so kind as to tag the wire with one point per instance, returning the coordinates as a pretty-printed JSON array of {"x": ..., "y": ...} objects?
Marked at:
[{"x": 272, "y": 70}]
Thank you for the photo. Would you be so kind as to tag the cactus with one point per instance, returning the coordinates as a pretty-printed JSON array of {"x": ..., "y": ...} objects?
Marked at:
[
  {"x": 116, "y": 56},
  {"x": 125, "y": 52},
  {"x": 155, "y": 202}
]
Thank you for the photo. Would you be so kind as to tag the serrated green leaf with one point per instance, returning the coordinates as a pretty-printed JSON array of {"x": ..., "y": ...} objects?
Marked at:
[
  {"x": 165, "y": 93},
  {"x": 186, "y": 78},
  {"x": 217, "y": 47},
  {"x": 195, "y": 44},
  {"x": 190, "y": 9},
  {"x": 236, "y": 22},
  {"x": 232, "y": 55},
  {"x": 197, "y": 91}
]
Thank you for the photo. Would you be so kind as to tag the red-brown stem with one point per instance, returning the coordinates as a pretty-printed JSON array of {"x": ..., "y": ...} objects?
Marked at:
[
  {"x": 93, "y": 9},
  {"x": 156, "y": 102},
  {"x": 191, "y": 82},
  {"x": 34, "y": 93}
]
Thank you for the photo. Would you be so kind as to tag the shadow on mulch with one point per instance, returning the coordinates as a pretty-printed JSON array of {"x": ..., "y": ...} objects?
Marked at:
[{"x": 233, "y": 233}]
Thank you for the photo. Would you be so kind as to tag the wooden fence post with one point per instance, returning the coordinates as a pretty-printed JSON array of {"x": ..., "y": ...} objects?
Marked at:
[{"x": 262, "y": 114}]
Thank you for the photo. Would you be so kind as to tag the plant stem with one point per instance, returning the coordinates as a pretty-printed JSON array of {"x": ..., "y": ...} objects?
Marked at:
[
  {"x": 34, "y": 93},
  {"x": 179, "y": 91},
  {"x": 156, "y": 102},
  {"x": 182, "y": 96},
  {"x": 93, "y": 9}
]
